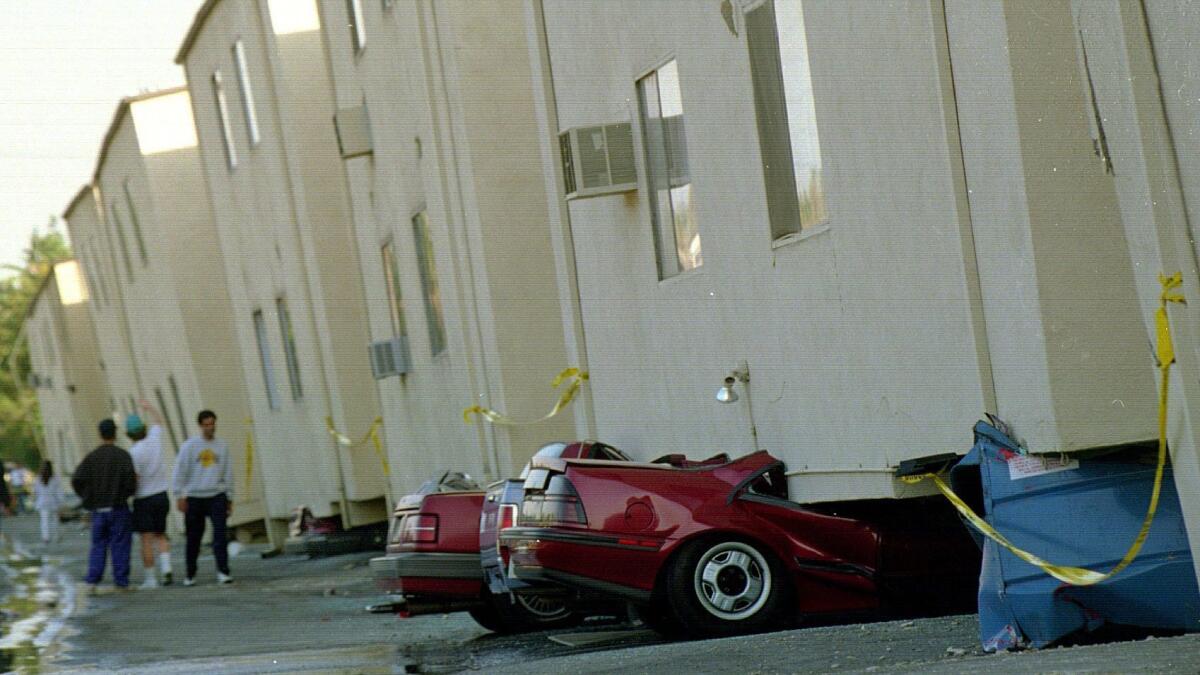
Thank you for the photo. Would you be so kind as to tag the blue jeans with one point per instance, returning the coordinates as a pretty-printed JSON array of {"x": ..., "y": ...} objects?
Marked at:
[
  {"x": 214, "y": 509},
  {"x": 110, "y": 530}
]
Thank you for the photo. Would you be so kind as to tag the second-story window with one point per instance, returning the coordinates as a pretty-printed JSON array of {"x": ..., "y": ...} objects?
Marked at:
[
  {"x": 162, "y": 405},
  {"x": 672, "y": 202},
  {"x": 289, "y": 348},
  {"x": 429, "y": 284},
  {"x": 264, "y": 357},
  {"x": 358, "y": 29},
  {"x": 391, "y": 280},
  {"x": 243, "y": 74},
  {"x": 223, "y": 115},
  {"x": 137, "y": 224},
  {"x": 786, "y": 115},
  {"x": 119, "y": 228},
  {"x": 178, "y": 405}
]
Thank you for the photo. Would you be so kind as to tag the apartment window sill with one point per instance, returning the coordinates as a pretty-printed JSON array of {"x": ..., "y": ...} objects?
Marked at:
[{"x": 797, "y": 237}]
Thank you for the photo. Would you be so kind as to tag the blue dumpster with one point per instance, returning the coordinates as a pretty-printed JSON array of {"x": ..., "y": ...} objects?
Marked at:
[{"x": 1083, "y": 512}]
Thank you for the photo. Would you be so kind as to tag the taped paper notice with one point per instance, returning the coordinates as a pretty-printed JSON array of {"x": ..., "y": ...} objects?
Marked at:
[{"x": 1028, "y": 466}]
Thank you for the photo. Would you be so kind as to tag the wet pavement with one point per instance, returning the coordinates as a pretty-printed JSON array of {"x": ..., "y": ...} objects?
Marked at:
[{"x": 288, "y": 614}]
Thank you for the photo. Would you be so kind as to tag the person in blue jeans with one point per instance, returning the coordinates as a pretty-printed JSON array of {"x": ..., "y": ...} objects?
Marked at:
[{"x": 105, "y": 481}]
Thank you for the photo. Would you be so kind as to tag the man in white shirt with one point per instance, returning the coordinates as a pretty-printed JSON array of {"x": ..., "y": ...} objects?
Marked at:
[
  {"x": 150, "y": 503},
  {"x": 203, "y": 486}
]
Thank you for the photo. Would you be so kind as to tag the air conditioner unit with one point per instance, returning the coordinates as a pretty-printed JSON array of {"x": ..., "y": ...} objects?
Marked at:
[
  {"x": 353, "y": 127},
  {"x": 598, "y": 160},
  {"x": 390, "y": 357}
]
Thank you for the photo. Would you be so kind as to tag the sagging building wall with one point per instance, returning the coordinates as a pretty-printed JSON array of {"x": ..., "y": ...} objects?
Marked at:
[
  {"x": 949, "y": 267},
  {"x": 447, "y": 90},
  {"x": 279, "y": 199},
  {"x": 65, "y": 367},
  {"x": 175, "y": 297}
]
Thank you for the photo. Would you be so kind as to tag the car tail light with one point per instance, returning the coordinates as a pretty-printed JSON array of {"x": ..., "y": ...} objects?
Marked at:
[
  {"x": 420, "y": 528},
  {"x": 508, "y": 516},
  {"x": 558, "y": 504}
]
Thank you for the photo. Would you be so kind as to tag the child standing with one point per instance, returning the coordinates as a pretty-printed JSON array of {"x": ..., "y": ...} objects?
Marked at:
[{"x": 47, "y": 498}]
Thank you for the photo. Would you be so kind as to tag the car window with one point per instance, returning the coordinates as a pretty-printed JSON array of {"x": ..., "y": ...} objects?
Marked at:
[
  {"x": 602, "y": 451},
  {"x": 551, "y": 450}
]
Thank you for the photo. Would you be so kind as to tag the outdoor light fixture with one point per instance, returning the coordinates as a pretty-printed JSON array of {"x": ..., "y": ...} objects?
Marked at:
[{"x": 726, "y": 394}]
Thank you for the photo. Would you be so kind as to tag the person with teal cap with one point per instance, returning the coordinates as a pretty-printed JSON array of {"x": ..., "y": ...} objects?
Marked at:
[{"x": 150, "y": 503}]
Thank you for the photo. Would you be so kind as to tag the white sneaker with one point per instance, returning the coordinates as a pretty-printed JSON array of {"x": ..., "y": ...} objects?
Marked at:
[
  {"x": 189, "y": 581},
  {"x": 224, "y": 578},
  {"x": 149, "y": 583}
]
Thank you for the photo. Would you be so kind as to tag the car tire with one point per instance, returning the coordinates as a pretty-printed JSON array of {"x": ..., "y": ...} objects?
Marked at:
[
  {"x": 723, "y": 587},
  {"x": 519, "y": 613}
]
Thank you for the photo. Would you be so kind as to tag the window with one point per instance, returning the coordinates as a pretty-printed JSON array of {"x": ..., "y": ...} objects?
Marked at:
[
  {"x": 787, "y": 117},
  {"x": 183, "y": 420},
  {"x": 289, "y": 348},
  {"x": 133, "y": 219},
  {"x": 120, "y": 230},
  {"x": 162, "y": 405},
  {"x": 223, "y": 114},
  {"x": 429, "y": 284},
  {"x": 395, "y": 298},
  {"x": 97, "y": 272},
  {"x": 672, "y": 213},
  {"x": 243, "y": 74},
  {"x": 264, "y": 356},
  {"x": 358, "y": 31}
]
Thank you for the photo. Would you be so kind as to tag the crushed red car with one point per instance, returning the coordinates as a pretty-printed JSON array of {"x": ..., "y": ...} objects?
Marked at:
[
  {"x": 442, "y": 554},
  {"x": 717, "y": 548}
]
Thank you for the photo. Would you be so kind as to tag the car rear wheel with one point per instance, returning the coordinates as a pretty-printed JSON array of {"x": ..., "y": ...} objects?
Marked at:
[
  {"x": 518, "y": 613},
  {"x": 727, "y": 587}
]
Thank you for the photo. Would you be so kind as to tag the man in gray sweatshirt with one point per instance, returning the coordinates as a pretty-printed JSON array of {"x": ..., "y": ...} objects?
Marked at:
[{"x": 203, "y": 487}]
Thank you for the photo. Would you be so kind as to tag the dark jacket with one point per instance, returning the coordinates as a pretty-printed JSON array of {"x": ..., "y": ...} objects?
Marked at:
[{"x": 105, "y": 478}]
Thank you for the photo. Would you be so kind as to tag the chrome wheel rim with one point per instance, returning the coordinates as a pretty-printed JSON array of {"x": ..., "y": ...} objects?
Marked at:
[
  {"x": 732, "y": 581},
  {"x": 541, "y": 606}
]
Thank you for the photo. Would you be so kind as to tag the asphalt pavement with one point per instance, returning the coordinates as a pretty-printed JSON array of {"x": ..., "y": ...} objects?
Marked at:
[{"x": 291, "y": 614}]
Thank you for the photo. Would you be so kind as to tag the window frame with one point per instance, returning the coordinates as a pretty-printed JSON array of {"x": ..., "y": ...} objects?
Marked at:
[
  {"x": 178, "y": 404},
  {"x": 137, "y": 224},
  {"x": 264, "y": 359},
  {"x": 651, "y": 177},
  {"x": 357, "y": 23},
  {"x": 435, "y": 316},
  {"x": 291, "y": 357},
  {"x": 242, "y": 70},
  {"x": 121, "y": 241},
  {"x": 162, "y": 405},
  {"x": 781, "y": 187},
  {"x": 393, "y": 287},
  {"x": 218, "y": 87}
]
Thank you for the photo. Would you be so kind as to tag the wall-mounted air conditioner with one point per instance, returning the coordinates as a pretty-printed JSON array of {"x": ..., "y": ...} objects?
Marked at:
[
  {"x": 598, "y": 160},
  {"x": 390, "y": 357},
  {"x": 353, "y": 127}
]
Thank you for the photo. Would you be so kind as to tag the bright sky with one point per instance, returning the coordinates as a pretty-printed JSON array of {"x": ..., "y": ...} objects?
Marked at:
[{"x": 64, "y": 64}]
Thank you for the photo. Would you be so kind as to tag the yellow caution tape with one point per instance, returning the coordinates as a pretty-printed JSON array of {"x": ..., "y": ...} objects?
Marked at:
[
  {"x": 575, "y": 375},
  {"x": 1079, "y": 576},
  {"x": 249, "y": 450},
  {"x": 372, "y": 435}
]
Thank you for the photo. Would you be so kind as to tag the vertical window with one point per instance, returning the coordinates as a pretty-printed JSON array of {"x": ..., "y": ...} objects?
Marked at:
[
  {"x": 120, "y": 230},
  {"x": 162, "y": 405},
  {"x": 183, "y": 420},
  {"x": 429, "y": 284},
  {"x": 243, "y": 75},
  {"x": 786, "y": 115},
  {"x": 264, "y": 357},
  {"x": 223, "y": 114},
  {"x": 289, "y": 348},
  {"x": 358, "y": 31},
  {"x": 133, "y": 219},
  {"x": 395, "y": 298},
  {"x": 97, "y": 272},
  {"x": 672, "y": 213}
]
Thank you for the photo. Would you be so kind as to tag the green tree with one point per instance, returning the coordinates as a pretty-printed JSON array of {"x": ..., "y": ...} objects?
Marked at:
[{"x": 20, "y": 420}]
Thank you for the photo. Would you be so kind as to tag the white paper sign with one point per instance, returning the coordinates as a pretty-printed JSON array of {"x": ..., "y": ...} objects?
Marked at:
[{"x": 1028, "y": 466}]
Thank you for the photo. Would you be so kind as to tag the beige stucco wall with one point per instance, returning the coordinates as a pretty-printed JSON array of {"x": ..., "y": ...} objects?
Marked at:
[
  {"x": 63, "y": 354},
  {"x": 864, "y": 340},
  {"x": 453, "y": 134},
  {"x": 285, "y": 231},
  {"x": 178, "y": 309}
]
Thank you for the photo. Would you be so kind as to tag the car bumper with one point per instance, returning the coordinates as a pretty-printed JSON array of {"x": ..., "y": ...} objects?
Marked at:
[
  {"x": 586, "y": 561},
  {"x": 419, "y": 573}
]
